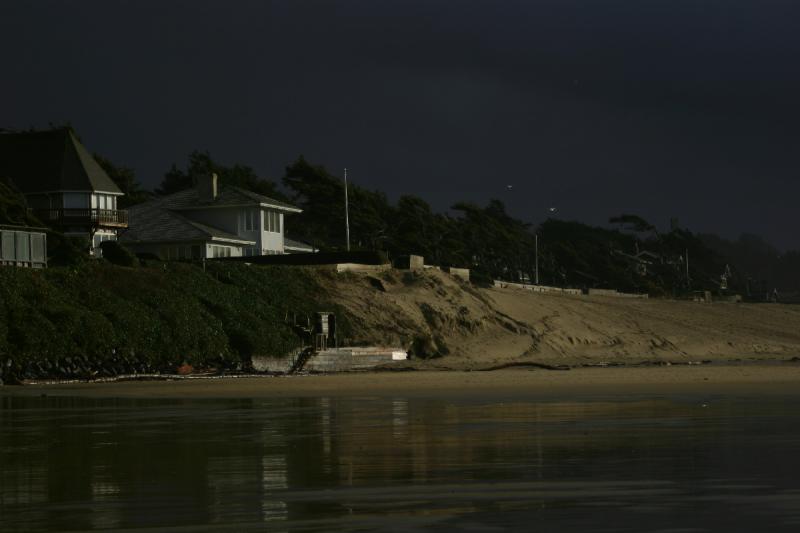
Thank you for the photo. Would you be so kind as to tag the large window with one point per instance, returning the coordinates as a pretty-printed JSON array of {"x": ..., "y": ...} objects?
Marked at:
[
  {"x": 272, "y": 221},
  {"x": 76, "y": 200},
  {"x": 250, "y": 220},
  {"x": 175, "y": 253},
  {"x": 104, "y": 201},
  {"x": 220, "y": 251}
]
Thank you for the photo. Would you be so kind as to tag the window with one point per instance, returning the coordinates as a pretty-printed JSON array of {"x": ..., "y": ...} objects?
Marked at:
[
  {"x": 76, "y": 200},
  {"x": 104, "y": 201},
  {"x": 220, "y": 251},
  {"x": 100, "y": 238},
  {"x": 250, "y": 220},
  {"x": 272, "y": 221}
]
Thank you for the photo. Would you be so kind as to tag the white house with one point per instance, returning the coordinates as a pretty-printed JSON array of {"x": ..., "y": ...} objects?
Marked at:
[
  {"x": 208, "y": 221},
  {"x": 62, "y": 183}
]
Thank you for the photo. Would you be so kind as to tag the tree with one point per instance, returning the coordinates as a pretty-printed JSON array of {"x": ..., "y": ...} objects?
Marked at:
[
  {"x": 494, "y": 242},
  {"x": 125, "y": 179},
  {"x": 175, "y": 180},
  {"x": 199, "y": 163},
  {"x": 633, "y": 223},
  {"x": 415, "y": 229},
  {"x": 14, "y": 207},
  {"x": 321, "y": 196}
]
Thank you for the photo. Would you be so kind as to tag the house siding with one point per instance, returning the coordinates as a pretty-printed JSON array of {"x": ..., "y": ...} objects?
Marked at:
[
  {"x": 23, "y": 248},
  {"x": 271, "y": 241}
]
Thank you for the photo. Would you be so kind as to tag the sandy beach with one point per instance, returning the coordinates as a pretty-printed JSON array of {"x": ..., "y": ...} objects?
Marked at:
[
  {"x": 749, "y": 379},
  {"x": 478, "y": 328}
]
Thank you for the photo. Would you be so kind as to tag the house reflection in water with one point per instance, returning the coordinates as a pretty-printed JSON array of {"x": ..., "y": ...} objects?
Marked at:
[{"x": 104, "y": 464}]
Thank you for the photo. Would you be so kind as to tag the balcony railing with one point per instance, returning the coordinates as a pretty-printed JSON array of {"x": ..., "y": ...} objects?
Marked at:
[{"x": 109, "y": 218}]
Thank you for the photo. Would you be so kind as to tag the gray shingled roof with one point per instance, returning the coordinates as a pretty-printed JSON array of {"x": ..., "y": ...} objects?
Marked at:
[
  {"x": 261, "y": 199},
  {"x": 228, "y": 196},
  {"x": 153, "y": 222},
  {"x": 53, "y": 160},
  {"x": 296, "y": 245}
]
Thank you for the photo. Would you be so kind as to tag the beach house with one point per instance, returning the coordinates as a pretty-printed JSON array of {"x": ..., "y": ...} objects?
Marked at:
[
  {"x": 209, "y": 221},
  {"x": 63, "y": 184}
]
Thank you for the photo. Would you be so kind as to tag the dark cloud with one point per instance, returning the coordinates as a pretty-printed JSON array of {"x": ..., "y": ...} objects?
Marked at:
[{"x": 665, "y": 108}]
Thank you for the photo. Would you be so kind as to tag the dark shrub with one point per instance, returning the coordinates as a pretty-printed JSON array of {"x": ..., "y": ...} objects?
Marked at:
[
  {"x": 425, "y": 347},
  {"x": 481, "y": 278},
  {"x": 66, "y": 251},
  {"x": 115, "y": 253}
]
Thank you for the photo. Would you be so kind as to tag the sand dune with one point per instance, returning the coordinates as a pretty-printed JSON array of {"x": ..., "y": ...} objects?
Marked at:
[{"x": 479, "y": 328}]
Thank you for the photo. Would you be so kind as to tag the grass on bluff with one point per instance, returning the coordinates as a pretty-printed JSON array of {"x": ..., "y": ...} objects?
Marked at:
[{"x": 108, "y": 319}]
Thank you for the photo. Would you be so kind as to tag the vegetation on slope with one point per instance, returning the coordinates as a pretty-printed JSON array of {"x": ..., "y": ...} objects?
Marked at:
[{"x": 102, "y": 319}]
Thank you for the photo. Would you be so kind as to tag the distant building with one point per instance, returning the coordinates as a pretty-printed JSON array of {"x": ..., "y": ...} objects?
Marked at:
[
  {"x": 209, "y": 221},
  {"x": 640, "y": 262},
  {"x": 63, "y": 184}
]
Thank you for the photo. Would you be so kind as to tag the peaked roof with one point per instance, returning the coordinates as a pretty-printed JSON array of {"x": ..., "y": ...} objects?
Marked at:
[
  {"x": 52, "y": 160},
  {"x": 297, "y": 245},
  {"x": 152, "y": 222},
  {"x": 228, "y": 197},
  {"x": 162, "y": 219}
]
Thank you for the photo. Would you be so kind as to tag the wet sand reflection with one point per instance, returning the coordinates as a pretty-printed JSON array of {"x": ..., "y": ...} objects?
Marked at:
[{"x": 344, "y": 463}]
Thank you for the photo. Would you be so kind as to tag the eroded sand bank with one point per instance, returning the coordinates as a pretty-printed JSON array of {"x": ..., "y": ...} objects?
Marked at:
[{"x": 480, "y": 328}]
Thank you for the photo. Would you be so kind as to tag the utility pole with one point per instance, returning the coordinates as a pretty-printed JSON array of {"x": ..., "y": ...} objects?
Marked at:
[
  {"x": 688, "y": 281},
  {"x": 346, "y": 212},
  {"x": 536, "y": 247}
]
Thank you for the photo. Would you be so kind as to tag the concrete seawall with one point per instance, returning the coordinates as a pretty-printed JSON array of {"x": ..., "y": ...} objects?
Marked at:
[
  {"x": 333, "y": 360},
  {"x": 353, "y": 358},
  {"x": 558, "y": 290},
  {"x": 536, "y": 288},
  {"x": 615, "y": 293},
  {"x": 274, "y": 364}
]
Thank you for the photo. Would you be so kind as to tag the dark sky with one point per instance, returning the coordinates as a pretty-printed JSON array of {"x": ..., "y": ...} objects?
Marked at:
[{"x": 672, "y": 108}]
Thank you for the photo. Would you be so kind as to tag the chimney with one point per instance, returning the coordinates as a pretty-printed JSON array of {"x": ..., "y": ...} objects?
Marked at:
[{"x": 207, "y": 187}]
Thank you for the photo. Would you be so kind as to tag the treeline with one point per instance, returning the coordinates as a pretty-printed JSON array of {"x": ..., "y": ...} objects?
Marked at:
[
  {"x": 486, "y": 239},
  {"x": 761, "y": 266},
  {"x": 631, "y": 255}
]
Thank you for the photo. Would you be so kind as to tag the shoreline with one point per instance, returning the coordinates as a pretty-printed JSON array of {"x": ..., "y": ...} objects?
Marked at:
[{"x": 759, "y": 378}]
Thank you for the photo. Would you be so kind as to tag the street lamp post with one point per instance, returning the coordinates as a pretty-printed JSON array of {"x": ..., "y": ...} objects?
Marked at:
[{"x": 346, "y": 212}]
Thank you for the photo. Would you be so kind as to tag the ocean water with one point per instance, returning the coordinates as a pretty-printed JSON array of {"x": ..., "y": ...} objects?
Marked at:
[{"x": 488, "y": 463}]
